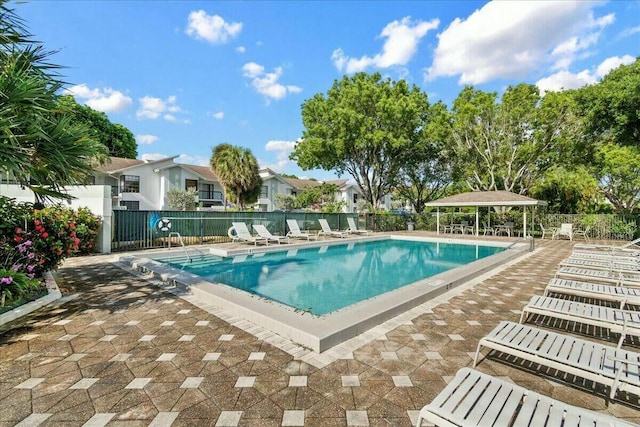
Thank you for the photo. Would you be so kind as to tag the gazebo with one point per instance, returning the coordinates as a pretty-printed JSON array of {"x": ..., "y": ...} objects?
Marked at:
[{"x": 488, "y": 199}]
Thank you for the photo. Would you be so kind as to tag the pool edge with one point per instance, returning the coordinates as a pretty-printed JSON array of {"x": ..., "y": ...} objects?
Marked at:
[{"x": 319, "y": 333}]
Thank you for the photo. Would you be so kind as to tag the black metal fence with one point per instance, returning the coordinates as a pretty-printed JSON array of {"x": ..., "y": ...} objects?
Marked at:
[
  {"x": 151, "y": 229},
  {"x": 144, "y": 229}
]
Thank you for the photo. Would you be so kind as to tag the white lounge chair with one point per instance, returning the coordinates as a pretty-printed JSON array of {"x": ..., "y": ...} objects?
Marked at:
[
  {"x": 612, "y": 264},
  {"x": 623, "y": 322},
  {"x": 565, "y": 230},
  {"x": 603, "y": 364},
  {"x": 632, "y": 247},
  {"x": 605, "y": 276},
  {"x": 605, "y": 256},
  {"x": 619, "y": 294},
  {"x": 243, "y": 235},
  {"x": 353, "y": 227},
  {"x": 266, "y": 234},
  {"x": 327, "y": 231},
  {"x": 476, "y": 399},
  {"x": 295, "y": 232}
]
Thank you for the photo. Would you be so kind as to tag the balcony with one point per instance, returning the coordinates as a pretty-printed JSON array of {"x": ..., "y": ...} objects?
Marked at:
[{"x": 210, "y": 195}]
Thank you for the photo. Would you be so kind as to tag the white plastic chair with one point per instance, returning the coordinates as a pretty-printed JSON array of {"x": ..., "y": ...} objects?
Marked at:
[
  {"x": 295, "y": 232},
  {"x": 266, "y": 234}
]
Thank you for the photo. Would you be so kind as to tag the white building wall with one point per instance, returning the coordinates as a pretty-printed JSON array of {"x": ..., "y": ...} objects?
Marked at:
[{"x": 274, "y": 186}]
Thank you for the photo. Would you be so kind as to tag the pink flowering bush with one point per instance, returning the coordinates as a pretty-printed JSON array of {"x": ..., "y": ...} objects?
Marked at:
[
  {"x": 19, "y": 265},
  {"x": 33, "y": 241}
]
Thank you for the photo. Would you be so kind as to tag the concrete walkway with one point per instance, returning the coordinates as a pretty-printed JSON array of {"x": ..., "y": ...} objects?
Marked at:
[{"x": 117, "y": 350}]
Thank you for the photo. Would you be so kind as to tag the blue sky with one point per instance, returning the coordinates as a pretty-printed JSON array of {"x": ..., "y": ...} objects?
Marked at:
[{"x": 185, "y": 76}]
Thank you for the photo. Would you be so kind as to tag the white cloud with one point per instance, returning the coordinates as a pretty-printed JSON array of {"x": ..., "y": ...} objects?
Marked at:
[
  {"x": 211, "y": 28},
  {"x": 150, "y": 157},
  {"x": 106, "y": 100},
  {"x": 613, "y": 63},
  {"x": 282, "y": 149},
  {"x": 506, "y": 39},
  {"x": 564, "y": 80},
  {"x": 153, "y": 108},
  {"x": 401, "y": 44},
  {"x": 146, "y": 139},
  {"x": 267, "y": 84},
  {"x": 219, "y": 115},
  {"x": 280, "y": 146},
  {"x": 629, "y": 32},
  {"x": 241, "y": 49},
  {"x": 192, "y": 160}
]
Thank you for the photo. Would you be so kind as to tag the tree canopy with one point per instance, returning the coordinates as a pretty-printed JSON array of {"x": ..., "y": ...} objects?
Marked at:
[
  {"x": 426, "y": 169},
  {"x": 507, "y": 145},
  {"x": 40, "y": 145},
  {"x": 118, "y": 139},
  {"x": 362, "y": 127}
]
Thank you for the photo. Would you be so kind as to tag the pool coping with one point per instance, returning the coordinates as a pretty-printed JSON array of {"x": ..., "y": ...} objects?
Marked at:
[{"x": 320, "y": 333}]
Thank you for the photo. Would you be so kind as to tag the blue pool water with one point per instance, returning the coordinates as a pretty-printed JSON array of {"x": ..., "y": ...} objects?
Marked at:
[{"x": 324, "y": 279}]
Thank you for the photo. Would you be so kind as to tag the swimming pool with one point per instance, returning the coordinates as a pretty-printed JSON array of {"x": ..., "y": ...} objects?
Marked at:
[
  {"x": 325, "y": 279},
  {"x": 320, "y": 332}
]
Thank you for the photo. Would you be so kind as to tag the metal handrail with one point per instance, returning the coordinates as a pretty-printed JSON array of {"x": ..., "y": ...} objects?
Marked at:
[{"x": 175, "y": 233}]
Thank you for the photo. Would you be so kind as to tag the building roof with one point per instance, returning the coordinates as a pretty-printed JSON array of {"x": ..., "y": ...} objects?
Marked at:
[
  {"x": 204, "y": 171},
  {"x": 302, "y": 184},
  {"x": 118, "y": 163},
  {"x": 486, "y": 198}
]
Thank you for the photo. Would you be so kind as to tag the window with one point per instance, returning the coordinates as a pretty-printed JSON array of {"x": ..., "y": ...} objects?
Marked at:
[
  {"x": 129, "y": 184},
  {"x": 190, "y": 183},
  {"x": 207, "y": 192},
  {"x": 355, "y": 197},
  {"x": 265, "y": 192},
  {"x": 131, "y": 205}
]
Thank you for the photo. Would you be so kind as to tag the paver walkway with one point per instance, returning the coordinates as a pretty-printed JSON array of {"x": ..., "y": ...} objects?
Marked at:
[{"x": 120, "y": 351}]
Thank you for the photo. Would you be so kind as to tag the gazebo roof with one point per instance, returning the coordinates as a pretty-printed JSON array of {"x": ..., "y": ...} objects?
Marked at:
[{"x": 486, "y": 198}]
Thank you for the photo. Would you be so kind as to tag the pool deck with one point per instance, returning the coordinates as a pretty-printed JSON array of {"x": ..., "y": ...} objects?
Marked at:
[{"x": 119, "y": 350}]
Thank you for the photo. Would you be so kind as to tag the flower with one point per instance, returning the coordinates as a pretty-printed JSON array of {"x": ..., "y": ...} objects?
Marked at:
[
  {"x": 6, "y": 280},
  {"x": 31, "y": 255},
  {"x": 45, "y": 235}
]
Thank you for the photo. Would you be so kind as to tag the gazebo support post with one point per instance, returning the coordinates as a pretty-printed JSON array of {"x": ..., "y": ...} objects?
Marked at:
[
  {"x": 438, "y": 220},
  {"x": 477, "y": 221},
  {"x": 524, "y": 222}
]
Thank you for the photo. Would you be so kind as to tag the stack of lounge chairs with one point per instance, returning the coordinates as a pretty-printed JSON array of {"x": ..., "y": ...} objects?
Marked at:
[{"x": 598, "y": 288}]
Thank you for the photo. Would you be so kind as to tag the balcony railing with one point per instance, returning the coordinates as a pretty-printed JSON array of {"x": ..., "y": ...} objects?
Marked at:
[{"x": 210, "y": 195}]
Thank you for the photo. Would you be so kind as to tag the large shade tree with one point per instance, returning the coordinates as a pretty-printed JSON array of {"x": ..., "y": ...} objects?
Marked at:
[
  {"x": 611, "y": 111},
  {"x": 363, "y": 126},
  {"x": 237, "y": 171},
  {"x": 40, "y": 146},
  {"x": 118, "y": 139},
  {"x": 508, "y": 145},
  {"x": 612, "y": 107},
  {"x": 426, "y": 170}
]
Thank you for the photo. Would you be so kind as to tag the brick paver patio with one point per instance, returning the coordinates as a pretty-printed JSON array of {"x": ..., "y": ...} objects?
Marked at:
[{"x": 118, "y": 350}]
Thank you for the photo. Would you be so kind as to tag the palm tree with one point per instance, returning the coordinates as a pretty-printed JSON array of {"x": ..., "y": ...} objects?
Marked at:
[
  {"x": 237, "y": 170},
  {"x": 39, "y": 147}
]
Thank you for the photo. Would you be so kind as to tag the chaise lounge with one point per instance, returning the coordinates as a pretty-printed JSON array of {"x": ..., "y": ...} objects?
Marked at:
[
  {"x": 243, "y": 235},
  {"x": 266, "y": 234},
  {"x": 327, "y": 231},
  {"x": 623, "y": 322},
  {"x": 353, "y": 227},
  {"x": 619, "y": 294},
  {"x": 602, "y": 364},
  {"x": 296, "y": 233},
  {"x": 476, "y": 399}
]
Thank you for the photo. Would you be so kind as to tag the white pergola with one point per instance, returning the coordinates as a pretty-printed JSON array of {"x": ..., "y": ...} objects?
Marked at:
[{"x": 488, "y": 199}]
